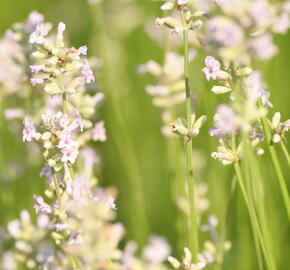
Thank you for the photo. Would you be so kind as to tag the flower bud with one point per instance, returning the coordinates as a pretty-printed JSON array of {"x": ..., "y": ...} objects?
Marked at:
[
  {"x": 220, "y": 89},
  {"x": 51, "y": 162},
  {"x": 52, "y": 89},
  {"x": 169, "y": 22},
  {"x": 276, "y": 120},
  {"x": 243, "y": 71},
  {"x": 46, "y": 136},
  {"x": 167, "y": 6},
  {"x": 178, "y": 129},
  {"x": 47, "y": 144},
  {"x": 276, "y": 138},
  {"x": 175, "y": 263}
]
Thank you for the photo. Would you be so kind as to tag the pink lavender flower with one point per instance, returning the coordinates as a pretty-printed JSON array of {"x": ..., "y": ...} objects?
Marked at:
[
  {"x": 83, "y": 50},
  {"x": 255, "y": 83},
  {"x": 35, "y": 81},
  {"x": 90, "y": 158},
  {"x": 260, "y": 13},
  {"x": 75, "y": 239},
  {"x": 69, "y": 154},
  {"x": 13, "y": 113},
  {"x": 79, "y": 190},
  {"x": 99, "y": 132},
  {"x": 38, "y": 36},
  {"x": 47, "y": 172},
  {"x": 66, "y": 141},
  {"x": 212, "y": 68},
  {"x": 35, "y": 68},
  {"x": 87, "y": 74},
  {"x": 34, "y": 19},
  {"x": 157, "y": 250},
  {"x": 40, "y": 206},
  {"x": 215, "y": 132},
  {"x": 77, "y": 123},
  {"x": 60, "y": 227},
  {"x": 263, "y": 47},
  {"x": 225, "y": 32},
  {"x": 282, "y": 23},
  {"x": 29, "y": 131},
  {"x": 225, "y": 119}
]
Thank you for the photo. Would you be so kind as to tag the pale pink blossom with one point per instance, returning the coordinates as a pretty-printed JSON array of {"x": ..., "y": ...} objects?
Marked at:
[
  {"x": 29, "y": 131},
  {"x": 11, "y": 114},
  {"x": 225, "y": 32},
  {"x": 225, "y": 119},
  {"x": 35, "y": 68},
  {"x": 79, "y": 190},
  {"x": 157, "y": 250},
  {"x": 47, "y": 172},
  {"x": 66, "y": 141},
  {"x": 40, "y": 206},
  {"x": 90, "y": 158},
  {"x": 35, "y": 81},
  {"x": 77, "y": 123},
  {"x": 33, "y": 20},
  {"x": 83, "y": 50},
  {"x": 60, "y": 227},
  {"x": 263, "y": 47},
  {"x": 87, "y": 74},
  {"x": 260, "y": 13},
  {"x": 212, "y": 68},
  {"x": 282, "y": 23},
  {"x": 69, "y": 154},
  {"x": 255, "y": 83},
  {"x": 38, "y": 36},
  {"x": 98, "y": 133},
  {"x": 75, "y": 239}
]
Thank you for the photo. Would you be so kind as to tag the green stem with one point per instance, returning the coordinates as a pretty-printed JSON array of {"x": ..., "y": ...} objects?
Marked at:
[
  {"x": 258, "y": 194},
  {"x": 252, "y": 214},
  {"x": 285, "y": 152},
  {"x": 251, "y": 209},
  {"x": 64, "y": 97},
  {"x": 58, "y": 194},
  {"x": 193, "y": 235},
  {"x": 275, "y": 161},
  {"x": 249, "y": 186}
]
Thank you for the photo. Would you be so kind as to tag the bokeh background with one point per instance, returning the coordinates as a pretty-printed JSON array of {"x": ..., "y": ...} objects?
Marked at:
[{"x": 137, "y": 158}]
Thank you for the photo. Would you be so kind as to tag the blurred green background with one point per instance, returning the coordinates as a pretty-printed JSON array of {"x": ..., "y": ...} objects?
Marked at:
[{"x": 136, "y": 156}]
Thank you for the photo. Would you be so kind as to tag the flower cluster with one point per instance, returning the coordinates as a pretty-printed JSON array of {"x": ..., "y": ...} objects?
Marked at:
[
  {"x": 278, "y": 128},
  {"x": 168, "y": 92},
  {"x": 186, "y": 262},
  {"x": 61, "y": 69},
  {"x": 191, "y": 16},
  {"x": 181, "y": 128},
  {"x": 32, "y": 248},
  {"x": 58, "y": 138},
  {"x": 242, "y": 114},
  {"x": 244, "y": 29},
  {"x": 75, "y": 225}
]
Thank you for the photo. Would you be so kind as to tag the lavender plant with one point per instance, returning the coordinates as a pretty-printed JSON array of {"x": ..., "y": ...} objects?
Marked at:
[
  {"x": 237, "y": 42},
  {"x": 76, "y": 225}
]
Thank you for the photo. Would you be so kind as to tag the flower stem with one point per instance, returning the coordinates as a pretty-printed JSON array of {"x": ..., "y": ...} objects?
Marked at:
[
  {"x": 251, "y": 209},
  {"x": 275, "y": 162},
  {"x": 285, "y": 151},
  {"x": 257, "y": 193},
  {"x": 58, "y": 195},
  {"x": 193, "y": 235},
  {"x": 64, "y": 98}
]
